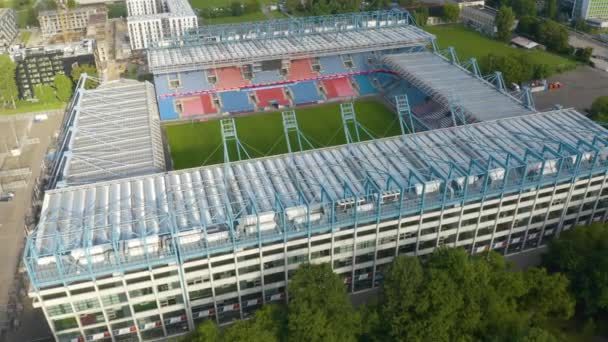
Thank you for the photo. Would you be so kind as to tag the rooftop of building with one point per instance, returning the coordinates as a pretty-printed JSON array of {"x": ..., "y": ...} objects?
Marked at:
[
  {"x": 229, "y": 45},
  {"x": 83, "y": 47},
  {"x": 452, "y": 85},
  {"x": 175, "y": 8},
  {"x": 131, "y": 223},
  {"x": 80, "y": 9},
  {"x": 109, "y": 132}
]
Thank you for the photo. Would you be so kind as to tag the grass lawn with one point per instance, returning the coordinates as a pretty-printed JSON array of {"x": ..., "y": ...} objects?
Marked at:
[
  {"x": 262, "y": 134},
  {"x": 256, "y": 16},
  {"x": 26, "y": 107},
  {"x": 24, "y": 36},
  {"x": 469, "y": 43},
  {"x": 222, "y": 3}
]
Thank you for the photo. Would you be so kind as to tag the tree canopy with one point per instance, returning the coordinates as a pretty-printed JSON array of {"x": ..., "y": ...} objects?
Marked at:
[
  {"x": 580, "y": 254},
  {"x": 63, "y": 87},
  {"x": 457, "y": 297},
  {"x": 90, "y": 70},
  {"x": 599, "y": 109},
  {"x": 450, "y": 12},
  {"x": 322, "y": 7},
  {"x": 44, "y": 93},
  {"x": 505, "y": 18},
  {"x": 319, "y": 309},
  {"x": 8, "y": 85}
]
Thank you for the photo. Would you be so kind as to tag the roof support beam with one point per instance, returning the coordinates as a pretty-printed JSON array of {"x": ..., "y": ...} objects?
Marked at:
[{"x": 230, "y": 140}]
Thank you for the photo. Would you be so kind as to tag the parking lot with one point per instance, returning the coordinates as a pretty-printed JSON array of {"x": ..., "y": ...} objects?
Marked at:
[
  {"x": 19, "y": 172},
  {"x": 580, "y": 87}
]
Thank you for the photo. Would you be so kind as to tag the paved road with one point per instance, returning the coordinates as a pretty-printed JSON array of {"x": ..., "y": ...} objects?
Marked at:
[
  {"x": 12, "y": 216},
  {"x": 599, "y": 49}
]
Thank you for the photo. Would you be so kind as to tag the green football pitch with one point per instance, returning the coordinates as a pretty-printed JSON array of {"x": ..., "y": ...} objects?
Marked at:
[{"x": 196, "y": 144}]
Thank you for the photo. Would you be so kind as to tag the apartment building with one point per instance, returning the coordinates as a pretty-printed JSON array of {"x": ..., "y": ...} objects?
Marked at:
[
  {"x": 67, "y": 21},
  {"x": 150, "y": 21},
  {"x": 8, "y": 27}
]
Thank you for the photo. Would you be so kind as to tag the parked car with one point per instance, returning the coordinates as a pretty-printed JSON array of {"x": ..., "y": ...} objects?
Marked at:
[{"x": 7, "y": 196}]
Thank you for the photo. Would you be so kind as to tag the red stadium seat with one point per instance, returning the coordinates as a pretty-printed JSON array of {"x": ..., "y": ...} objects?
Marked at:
[
  {"x": 301, "y": 69},
  {"x": 199, "y": 105},
  {"x": 267, "y": 97},
  {"x": 338, "y": 87},
  {"x": 229, "y": 78}
]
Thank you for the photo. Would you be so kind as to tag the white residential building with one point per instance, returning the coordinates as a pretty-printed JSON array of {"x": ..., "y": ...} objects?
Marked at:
[
  {"x": 8, "y": 26},
  {"x": 150, "y": 21}
]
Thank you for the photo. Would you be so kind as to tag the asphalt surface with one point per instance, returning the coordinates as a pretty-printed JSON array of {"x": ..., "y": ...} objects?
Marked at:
[
  {"x": 580, "y": 87},
  {"x": 12, "y": 238}
]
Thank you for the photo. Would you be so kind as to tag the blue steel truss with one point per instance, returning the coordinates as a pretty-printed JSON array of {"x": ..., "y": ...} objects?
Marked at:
[
  {"x": 291, "y": 128},
  {"x": 349, "y": 122},
  {"x": 293, "y": 27},
  {"x": 502, "y": 172},
  {"x": 527, "y": 99},
  {"x": 497, "y": 80},
  {"x": 230, "y": 140}
]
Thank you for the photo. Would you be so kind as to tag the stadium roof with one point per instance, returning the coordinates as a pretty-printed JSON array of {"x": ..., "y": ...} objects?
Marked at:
[
  {"x": 230, "y": 45},
  {"x": 109, "y": 132},
  {"x": 449, "y": 84},
  {"x": 123, "y": 223}
]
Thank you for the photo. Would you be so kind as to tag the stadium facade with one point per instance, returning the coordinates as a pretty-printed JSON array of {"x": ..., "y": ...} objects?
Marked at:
[{"x": 148, "y": 256}]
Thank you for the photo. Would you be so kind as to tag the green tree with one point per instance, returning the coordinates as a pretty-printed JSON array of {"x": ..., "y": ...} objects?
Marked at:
[
  {"x": 251, "y": 6},
  {"x": 553, "y": 35},
  {"x": 457, "y": 297},
  {"x": 547, "y": 296},
  {"x": 294, "y": 6},
  {"x": 422, "y": 16},
  {"x": 584, "y": 54},
  {"x": 8, "y": 85},
  {"x": 117, "y": 10},
  {"x": 44, "y": 93},
  {"x": 72, "y": 4},
  {"x": 236, "y": 8},
  {"x": 90, "y": 70},
  {"x": 63, "y": 87},
  {"x": 528, "y": 26},
  {"x": 205, "y": 332},
  {"x": 450, "y": 13},
  {"x": 319, "y": 309},
  {"x": 524, "y": 7},
  {"x": 504, "y": 22},
  {"x": 599, "y": 109},
  {"x": 580, "y": 254},
  {"x": 267, "y": 325},
  {"x": 551, "y": 9},
  {"x": 514, "y": 68}
]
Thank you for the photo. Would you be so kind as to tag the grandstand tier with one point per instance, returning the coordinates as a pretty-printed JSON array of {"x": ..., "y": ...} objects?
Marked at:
[
  {"x": 198, "y": 105},
  {"x": 271, "y": 97},
  {"x": 229, "y": 78},
  {"x": 305, "y": 93},
  {"x": 236, "y": 102},
  {"x": 301, "y": 69},
  {"x": 338, "y": 88},
  {"x": 229, "y": 45}
]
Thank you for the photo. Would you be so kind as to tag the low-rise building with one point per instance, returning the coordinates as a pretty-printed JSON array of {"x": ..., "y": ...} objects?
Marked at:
[
  {"x": 8, "y": 27},
  {"x": 150, "y": 21},
  {"x": 67, "y": 21},
  {"x": 481, "y": 18},
  {"x": 40, "y": 65}
]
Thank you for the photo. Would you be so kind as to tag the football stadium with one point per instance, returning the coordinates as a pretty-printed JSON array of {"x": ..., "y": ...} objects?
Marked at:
[{"x": 345, "y": 139}]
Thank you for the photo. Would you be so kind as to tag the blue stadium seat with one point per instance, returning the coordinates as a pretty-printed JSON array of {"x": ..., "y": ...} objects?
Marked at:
[
  {"x": 190, "y": 81},
  {"x": 365, "y": 85},
  {"x": 331, "y": 65},
  {"x": 235, "y": 102},
  {"x": 414, "y": 95},
  {"x": 167, "y": 109},
  {"x": 360, "y": 62},
  {"x": 267, "y": 76},
  {"x": 305, "y": 92}
]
